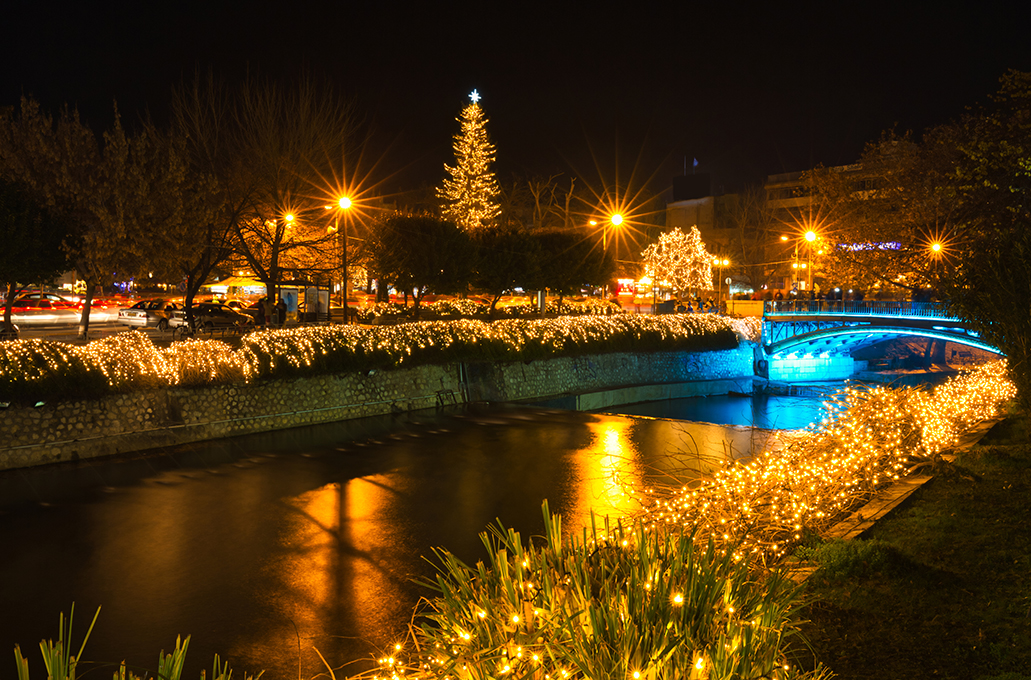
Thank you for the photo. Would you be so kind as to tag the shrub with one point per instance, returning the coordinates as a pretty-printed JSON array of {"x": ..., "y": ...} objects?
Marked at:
[
  {"x": 36, "y": 369},
  {"x": 615, "y": 604}
]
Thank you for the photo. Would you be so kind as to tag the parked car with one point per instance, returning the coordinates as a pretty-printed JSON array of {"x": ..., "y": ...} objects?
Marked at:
[
  {"x": 213, "y": 315},
  {"x": 250, "y": 308},
  {"x": 153, "y": 313}
]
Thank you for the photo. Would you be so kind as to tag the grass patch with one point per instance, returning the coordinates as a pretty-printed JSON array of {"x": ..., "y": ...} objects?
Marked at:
[{"x": 940, "y": 588}]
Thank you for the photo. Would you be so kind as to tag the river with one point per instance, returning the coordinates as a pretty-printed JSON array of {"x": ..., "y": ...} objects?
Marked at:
[{"x": 266, "y": 547}]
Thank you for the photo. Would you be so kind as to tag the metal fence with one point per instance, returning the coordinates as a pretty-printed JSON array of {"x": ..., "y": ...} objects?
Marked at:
[{"x": 924, "y": 310}]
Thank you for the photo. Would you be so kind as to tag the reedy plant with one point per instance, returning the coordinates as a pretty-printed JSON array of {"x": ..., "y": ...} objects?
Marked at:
[
  {"x": 62, "y": 665},
  {"x": 57, "y": 657},
  {"x": 613, "y": 603}
]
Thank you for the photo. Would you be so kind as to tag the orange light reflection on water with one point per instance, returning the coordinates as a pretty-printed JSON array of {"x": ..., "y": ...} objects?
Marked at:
[
  {"x": 330, "y": 569},
  {"x": 604, "y": 468}
]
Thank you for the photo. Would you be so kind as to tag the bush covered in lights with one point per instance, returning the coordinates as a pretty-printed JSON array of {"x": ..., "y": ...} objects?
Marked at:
[
  {"x": 476, "y": 309},
  {"x": 618, "y": 603},
  {"x": 687, "y": 592},
  {"x": 760, "y": 509},
  {"x": 34, "y": 369}
]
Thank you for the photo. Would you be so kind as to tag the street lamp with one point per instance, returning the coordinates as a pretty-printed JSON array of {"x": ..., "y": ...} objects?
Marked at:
[
  {"x": 344, "y": 204},
  {"x": 615, "y": 220},
  {"x": 810, "y": 238},
  {"x": 720, "y": 264}
]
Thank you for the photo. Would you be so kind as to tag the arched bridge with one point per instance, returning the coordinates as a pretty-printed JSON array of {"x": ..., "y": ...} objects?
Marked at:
[
  {"x": 836, "y": 327},
  {"x": 824, "y": 333}
]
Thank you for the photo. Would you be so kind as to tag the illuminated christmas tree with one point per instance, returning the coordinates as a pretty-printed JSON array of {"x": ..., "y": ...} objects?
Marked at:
[
  {"x": 680, "y": 260},
  {"x": 469, "y": 194}
]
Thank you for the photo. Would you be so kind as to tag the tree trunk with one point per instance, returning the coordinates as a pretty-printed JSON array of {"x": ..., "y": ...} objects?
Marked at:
[
  {"x": 8, "y": 324},
  {"x": 87, "y": 304}
]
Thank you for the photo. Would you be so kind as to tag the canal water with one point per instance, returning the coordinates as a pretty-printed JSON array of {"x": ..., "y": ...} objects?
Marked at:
[{"x": 266, "y": 547}]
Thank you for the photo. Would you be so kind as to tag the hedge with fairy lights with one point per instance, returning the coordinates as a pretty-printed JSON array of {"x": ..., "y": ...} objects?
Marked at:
[{"x": 35, "y": 369}]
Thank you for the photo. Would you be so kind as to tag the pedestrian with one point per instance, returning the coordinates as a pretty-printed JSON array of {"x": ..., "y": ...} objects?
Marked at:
[
  {"x": 280, "y": 314},
  {"x": 264, "y": 312}
]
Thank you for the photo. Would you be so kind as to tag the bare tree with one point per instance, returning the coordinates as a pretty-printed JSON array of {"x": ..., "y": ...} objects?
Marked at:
[
  {"x": 286, "y": 144},
  {"x": 264, "y": 158},
  {"x": 757, "y": 236}
]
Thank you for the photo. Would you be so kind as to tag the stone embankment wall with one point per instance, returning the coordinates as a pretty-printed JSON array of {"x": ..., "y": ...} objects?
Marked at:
[{"x": 122, "y": 423}]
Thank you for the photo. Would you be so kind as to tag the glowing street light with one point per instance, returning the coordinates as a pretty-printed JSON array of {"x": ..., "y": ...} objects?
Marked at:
[
  {"x": 810, "y": 237},
  {"x": 720, "y": 265},
  {"x": 615, "y": 220},
  {"x": 344, "y": 204}
]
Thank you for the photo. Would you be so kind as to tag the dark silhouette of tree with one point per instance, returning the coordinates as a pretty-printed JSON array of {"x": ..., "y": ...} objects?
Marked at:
[
  {"x": 507, "y": 258},
  {"x": 114, "y": 193},
  {"x": 30, "y": 243},
  {"x": 985, "y": 270},
  {"x": 285, "y": 145},
  {"x": 570, "y": 260},
  {"x": 420, "y": 254}
]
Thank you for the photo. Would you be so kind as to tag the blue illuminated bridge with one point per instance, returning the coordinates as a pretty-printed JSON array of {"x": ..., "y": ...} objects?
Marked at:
[{"x": 814, "y": 340}]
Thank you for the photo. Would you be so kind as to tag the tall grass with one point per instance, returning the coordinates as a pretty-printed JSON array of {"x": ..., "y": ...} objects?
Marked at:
[
  {"x": 616, "y": 602},
  {"x": 61, "y": 664}
]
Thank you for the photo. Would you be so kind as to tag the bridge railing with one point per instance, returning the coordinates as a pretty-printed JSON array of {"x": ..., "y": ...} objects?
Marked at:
[{"x": 926, "y": 310}]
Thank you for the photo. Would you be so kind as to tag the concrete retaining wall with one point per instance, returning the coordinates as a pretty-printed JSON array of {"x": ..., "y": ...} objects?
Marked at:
[
  {"x": 71, "y": 430},
  {"x": 810, "y": 368}
]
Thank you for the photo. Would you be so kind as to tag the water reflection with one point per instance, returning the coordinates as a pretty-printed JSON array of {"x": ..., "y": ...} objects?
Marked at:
[{"x": 268, "y": 547}]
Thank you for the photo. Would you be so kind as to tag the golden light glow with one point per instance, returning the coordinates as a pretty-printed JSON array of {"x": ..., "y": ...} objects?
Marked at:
[
  {"x": 344, "y": 202},
  {"x": 681, "y": 259},
  {"x": 872, "y": 437},
  {"x": 810, "y": 236},
  {"x": 289, "y": 217},
  {"x": 616, "y": 219},
  {"x": 470, "y": 191}
]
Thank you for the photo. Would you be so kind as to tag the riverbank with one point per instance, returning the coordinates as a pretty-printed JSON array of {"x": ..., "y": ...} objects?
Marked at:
[
  {"x": 67, "y": 430},
  {"x": 939, "y": 587}
]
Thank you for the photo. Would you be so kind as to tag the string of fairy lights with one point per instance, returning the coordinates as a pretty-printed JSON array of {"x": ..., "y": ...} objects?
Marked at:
[
  {"x": 610, "y": 603},
  {"x": 522, "y": 614},
  {"x": 474, "y": 308},
  {"x": 127, "y": 361},
  {"x": 759, "y": 509}
]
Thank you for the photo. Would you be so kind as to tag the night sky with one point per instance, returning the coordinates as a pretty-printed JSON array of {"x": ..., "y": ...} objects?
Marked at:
[{"x": 748, "y": 90}]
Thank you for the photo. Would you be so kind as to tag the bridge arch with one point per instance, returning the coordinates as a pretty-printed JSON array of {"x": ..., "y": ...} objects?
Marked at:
[
  {"x": 847, "y": 339},
  {"x": 814, "y": 340}
]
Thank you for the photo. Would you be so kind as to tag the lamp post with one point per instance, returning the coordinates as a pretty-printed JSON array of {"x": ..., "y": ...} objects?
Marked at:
[
  {"x": 343, "y": 205},
  {"x": 810, "y": 236},
  {"x": 615, "y": 219},
  {"x": 720, "y": 264}
]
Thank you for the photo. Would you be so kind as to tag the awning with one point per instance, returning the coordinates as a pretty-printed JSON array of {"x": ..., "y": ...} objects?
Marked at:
[{"x": 236, "y": 282}]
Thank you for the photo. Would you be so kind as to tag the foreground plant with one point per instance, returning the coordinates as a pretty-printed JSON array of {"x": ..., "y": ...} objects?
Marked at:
[
  {"x": 62, "y": 665},
  {"x": 614, "y": 603}
]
